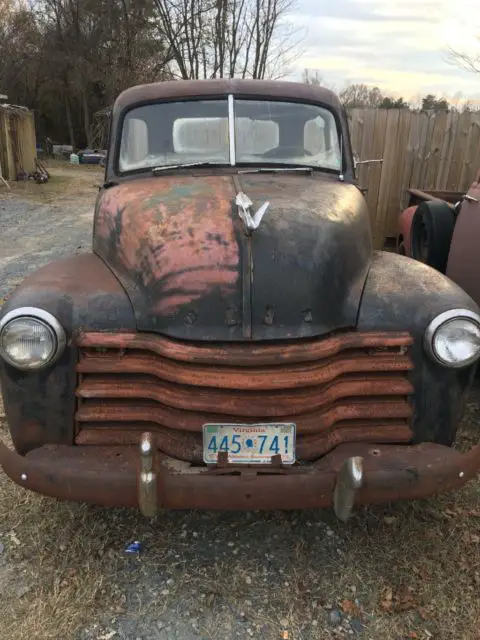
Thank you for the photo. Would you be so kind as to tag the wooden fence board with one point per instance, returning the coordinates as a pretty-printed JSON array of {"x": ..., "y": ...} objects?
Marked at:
[
  {"x": 427, "y": 149},
  {"x": 419, "y": 160},
  {"x": 394, "y": 203},
  {"x": 446, "y": 153},
  {"x": 432, "y": 161},
  {"x": 461, "y": 138},
  {"x": 367, "y": 150},
  {"x": 409, "y": 160},
  {"x": 387, "y": 175},
  {"x": 376, "y": 170}
]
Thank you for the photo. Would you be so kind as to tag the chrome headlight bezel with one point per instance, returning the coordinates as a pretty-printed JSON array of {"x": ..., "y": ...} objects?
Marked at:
[
  {"x": 439, "y": 321},
  {"x": 44, "y": 318}
]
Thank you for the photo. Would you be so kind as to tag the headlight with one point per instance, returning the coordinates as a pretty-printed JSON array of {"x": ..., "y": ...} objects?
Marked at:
[
  {"x": 453, "y": 338},
  {"x": 31, "y": 338}
]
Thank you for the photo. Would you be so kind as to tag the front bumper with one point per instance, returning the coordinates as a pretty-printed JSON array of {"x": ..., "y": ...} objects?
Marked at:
[{"x": 115, "y": 476}]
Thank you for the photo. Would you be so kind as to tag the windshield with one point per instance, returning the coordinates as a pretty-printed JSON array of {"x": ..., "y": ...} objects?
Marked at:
[{"x": 264, "y": 133}]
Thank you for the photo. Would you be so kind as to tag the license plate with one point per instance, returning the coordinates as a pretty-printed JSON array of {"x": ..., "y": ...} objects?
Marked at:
[{"x": 249, "y": 444}]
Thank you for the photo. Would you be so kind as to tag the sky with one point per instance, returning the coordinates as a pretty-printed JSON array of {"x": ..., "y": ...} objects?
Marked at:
[{"x": 399, "y": 46}]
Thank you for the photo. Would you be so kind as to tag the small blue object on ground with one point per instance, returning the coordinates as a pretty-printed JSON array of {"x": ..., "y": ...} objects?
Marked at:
[{"x": 133, "y": 547}]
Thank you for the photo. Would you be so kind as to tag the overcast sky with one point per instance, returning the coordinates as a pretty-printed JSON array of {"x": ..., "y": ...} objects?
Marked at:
[{"x": 400, "y": 46}]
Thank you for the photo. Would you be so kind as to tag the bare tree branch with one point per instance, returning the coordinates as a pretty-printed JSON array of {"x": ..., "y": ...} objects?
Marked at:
[
  {"x": 464, "y": 61},
  {"x": 210, "y": 38}
]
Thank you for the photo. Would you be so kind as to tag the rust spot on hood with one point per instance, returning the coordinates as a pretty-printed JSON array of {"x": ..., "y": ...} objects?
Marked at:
[{"x": 172, "y": 237}]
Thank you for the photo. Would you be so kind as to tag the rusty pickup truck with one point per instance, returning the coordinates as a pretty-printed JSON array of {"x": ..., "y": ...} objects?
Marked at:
[{"x": 232, "y": 341}]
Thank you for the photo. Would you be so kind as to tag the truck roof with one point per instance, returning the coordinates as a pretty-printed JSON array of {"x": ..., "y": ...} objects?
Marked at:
[{"x": 263, "y": 89}]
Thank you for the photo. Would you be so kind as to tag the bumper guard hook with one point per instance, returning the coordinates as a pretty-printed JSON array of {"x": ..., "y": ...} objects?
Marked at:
[
  {"x": 147, "y": 487},
  {"x": 349, "y": 480}
]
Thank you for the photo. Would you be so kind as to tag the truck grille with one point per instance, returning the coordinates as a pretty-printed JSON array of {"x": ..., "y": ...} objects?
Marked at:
[{"x": 348, "y": 387}]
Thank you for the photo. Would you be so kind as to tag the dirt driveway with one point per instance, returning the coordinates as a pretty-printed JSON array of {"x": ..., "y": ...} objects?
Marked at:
[
  {"x": 392, "y": 573},
  {"x": 39, "y": 223}
]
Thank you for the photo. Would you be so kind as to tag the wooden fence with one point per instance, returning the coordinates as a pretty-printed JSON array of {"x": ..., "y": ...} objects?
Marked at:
[
  {"x": 438, "y": 151},
  {"x": 17, "y": 141}
]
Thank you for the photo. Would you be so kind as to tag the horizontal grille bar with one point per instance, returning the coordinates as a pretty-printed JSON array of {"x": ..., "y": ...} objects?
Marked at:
[
  {"x": 242, "y": 403},
  {"x": 249, "y": 354},
  {"x": 192, "y": 421},
  {"x": 265, "y": 378}
]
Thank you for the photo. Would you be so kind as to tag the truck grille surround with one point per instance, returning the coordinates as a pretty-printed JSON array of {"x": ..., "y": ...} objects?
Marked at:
[{"x": 347, "y": 387}]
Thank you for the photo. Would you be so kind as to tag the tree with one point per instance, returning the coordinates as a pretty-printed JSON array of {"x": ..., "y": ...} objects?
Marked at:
[
  {"x": 67, "y": 59},
  {"x": 20, "y": 41},
  {"x": 227, "y": 38},
  {"x": 361, "y": 96},
  {"x": 393, "y": 103},
  {"x": 431, "y": 103},
  {"x": 90, "y": 38}
]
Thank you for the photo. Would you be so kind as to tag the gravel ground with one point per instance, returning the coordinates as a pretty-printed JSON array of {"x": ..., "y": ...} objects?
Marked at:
[
  {"x": 33, "y": 234},
  {"x": 396, "y": 572}
]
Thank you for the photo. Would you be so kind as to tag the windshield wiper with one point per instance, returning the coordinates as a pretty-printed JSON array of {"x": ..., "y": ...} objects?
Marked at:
[
  {"x": 157, "y": 170},
  {"x": 186, "y": 165},
  {"x": 276, "y": 169}
]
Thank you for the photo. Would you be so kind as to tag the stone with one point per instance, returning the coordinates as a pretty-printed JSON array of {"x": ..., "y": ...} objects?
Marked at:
[{"x": 356, "y": 626}]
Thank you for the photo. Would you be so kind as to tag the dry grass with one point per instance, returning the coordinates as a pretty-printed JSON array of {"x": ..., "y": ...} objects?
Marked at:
[{"x": 66, "y": 182}]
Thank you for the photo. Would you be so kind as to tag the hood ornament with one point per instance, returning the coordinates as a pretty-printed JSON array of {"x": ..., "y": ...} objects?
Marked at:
[{"x": 244, "y": 205}]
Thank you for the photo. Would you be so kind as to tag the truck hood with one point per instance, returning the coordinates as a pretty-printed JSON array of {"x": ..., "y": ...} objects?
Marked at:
[{"x": 180, "y": 249}]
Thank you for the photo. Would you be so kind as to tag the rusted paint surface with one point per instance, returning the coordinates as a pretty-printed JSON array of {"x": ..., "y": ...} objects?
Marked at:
[
  {"x": 172, "y": 237},
  {"x": 464, "y": 258},
  {"x": 108, "y": 476},
  {"x": 256, "y": 354}
]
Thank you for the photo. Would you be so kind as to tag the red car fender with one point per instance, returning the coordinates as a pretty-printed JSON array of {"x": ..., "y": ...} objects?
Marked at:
[
  {"x": 463, "y": 265},
  {"x": 404, "y": 243}
]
